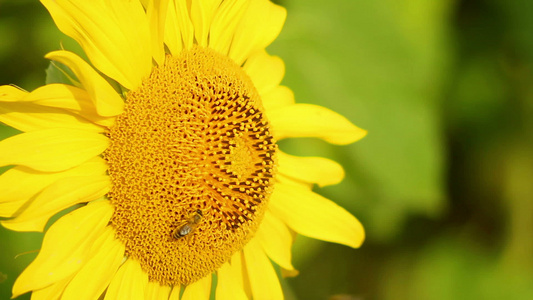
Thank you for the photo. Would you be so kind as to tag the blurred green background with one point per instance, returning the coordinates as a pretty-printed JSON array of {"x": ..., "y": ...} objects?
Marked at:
[{"x": 443, "y": 183}]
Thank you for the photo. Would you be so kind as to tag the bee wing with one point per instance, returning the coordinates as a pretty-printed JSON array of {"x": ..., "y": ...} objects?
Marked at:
[{"x": 185, "y": 229}]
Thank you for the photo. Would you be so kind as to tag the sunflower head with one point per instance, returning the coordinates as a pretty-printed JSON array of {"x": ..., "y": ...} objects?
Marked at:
[
  {"x": 192, "y": 150},
  {"x": 167, "y": 142}
]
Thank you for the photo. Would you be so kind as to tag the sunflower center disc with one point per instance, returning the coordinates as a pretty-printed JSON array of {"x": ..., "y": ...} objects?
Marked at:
[{"x": 191, "y": 164}]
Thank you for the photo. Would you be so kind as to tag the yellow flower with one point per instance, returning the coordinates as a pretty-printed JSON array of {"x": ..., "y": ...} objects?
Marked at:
[{"x": 167, "y": 144}]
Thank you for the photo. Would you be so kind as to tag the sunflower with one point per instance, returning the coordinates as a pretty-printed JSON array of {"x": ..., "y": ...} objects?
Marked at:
[{"x": 164, "y": 146}]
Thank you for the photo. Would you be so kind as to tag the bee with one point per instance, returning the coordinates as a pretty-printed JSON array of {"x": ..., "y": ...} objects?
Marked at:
[{"x": 188, "y": 226}]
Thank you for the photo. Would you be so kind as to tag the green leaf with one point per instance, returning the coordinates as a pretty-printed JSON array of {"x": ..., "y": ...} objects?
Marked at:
[{"x": 59, "y": 73}]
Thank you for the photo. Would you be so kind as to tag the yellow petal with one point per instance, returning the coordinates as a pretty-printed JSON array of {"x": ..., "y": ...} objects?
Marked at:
[
  {"x": 10, "y": 93},
  {"x": 105, "y": 98},
  {"x": 308, "y": 120},
  {"x": 128, "y": 283},
  {"x": 59, "y": 196},
  {"x": 51, "y": 292},
  {"x": 19, "y": 184},
  {"x": 172, "y": 30},
  {"x": 225, "y": 21},
  {"x": 239, "y": 272},
  {"x": 30, "y": 117},
  {"x": 199, "y": 290},
  {"x": 260, "y": 25},
  {"x": 315, "y": 216},
  {"x": 114, "y": 34},
  {"x": 265, "y": 70},
  {"x": 277, "y": 98},
  {"x": 229, "y": 284},
  {"x": 145, "y": 3},
  {"x": 94, "y": 277},
  {"x": 65, "y": 248},
  {"x": 66, "y": 97},
  {"x": 263, "y": 278},
  {"x": 156, "y": 11},
  {"x": 201, "y": 16},
  {"x": 276, "y": 240},
  {"x": 61, "y": 96},
  {"x": 179, "y": 31},
  {"x": 10, "y": 209},
  {"x": 154, "y": 291},
  {"x": 281, "y": 178},
  {"x": 289, "y": 273},
  {"x": 175, "y": 293},
  {"x": 51, "y": 150},
  {"x": 317, "y": 170}
]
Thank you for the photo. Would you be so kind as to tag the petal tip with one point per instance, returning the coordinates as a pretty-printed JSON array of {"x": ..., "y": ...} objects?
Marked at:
[
  {"x": 358, "y": 242},
  {"x": 355, "y": 135}
]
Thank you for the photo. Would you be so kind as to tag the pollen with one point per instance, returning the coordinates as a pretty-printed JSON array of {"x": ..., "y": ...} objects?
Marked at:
[{"x": 192, "y": 161}]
